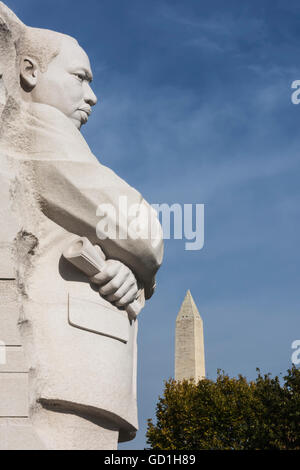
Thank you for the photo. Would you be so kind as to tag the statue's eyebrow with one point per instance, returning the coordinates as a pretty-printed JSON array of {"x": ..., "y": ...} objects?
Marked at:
[{"x": 88, "y": 75}]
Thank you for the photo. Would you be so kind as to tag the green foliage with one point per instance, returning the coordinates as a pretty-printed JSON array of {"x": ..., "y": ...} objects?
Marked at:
[{"x": 228, "y": 414}]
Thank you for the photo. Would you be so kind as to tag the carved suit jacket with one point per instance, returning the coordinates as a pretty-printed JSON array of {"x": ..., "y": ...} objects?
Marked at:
[{"x": 81, "y": 348}]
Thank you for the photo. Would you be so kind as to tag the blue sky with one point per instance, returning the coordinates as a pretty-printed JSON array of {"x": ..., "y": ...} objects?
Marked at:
[{"x": 195, "y": 107}]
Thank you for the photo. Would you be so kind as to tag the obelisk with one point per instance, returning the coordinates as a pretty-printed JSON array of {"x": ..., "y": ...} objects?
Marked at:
[{"x": 189, "y": 344}]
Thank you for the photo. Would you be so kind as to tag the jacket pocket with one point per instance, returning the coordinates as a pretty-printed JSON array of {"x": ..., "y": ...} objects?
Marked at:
[{"x": 99, "y": 319}]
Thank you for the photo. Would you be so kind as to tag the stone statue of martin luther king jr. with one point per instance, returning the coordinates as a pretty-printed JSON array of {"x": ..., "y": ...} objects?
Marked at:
[{"x": 69, "y": 381}]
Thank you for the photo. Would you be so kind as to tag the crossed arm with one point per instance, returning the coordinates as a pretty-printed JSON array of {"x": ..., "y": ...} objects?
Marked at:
[{"x": 71, "y": 200}]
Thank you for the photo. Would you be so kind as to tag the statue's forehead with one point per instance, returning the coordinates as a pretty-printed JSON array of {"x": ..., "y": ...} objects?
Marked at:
[{"x": 72, "y": 53}]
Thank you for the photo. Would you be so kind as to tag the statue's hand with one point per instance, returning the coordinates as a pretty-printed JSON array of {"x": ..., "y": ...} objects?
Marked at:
[{"x": 118, "y": 283}]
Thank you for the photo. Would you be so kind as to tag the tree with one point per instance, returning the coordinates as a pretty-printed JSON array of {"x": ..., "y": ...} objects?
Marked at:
[{"x": 228, "y": 414}]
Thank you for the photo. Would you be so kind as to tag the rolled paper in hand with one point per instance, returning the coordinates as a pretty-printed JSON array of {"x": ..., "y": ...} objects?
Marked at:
[
  {"x": 84, "y": 256},
  {"x": 91, "y": 260}
]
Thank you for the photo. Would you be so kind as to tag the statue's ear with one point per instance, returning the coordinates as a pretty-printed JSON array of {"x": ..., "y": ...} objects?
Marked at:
[{"x": 28, "y": 73}]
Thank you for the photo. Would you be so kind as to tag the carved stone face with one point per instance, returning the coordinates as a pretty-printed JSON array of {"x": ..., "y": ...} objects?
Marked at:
[{"x": 66, "y": 83}]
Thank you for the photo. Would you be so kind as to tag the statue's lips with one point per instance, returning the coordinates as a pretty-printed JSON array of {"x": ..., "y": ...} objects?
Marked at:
[{"x": 85, "y": 114}]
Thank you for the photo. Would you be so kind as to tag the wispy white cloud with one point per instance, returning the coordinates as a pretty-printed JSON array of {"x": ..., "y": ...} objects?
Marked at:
[
  {"x": 214, "y": 32},
  {"x": 164, "y": 127}
]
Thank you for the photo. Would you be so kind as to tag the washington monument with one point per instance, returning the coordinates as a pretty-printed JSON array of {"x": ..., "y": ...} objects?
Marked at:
[{"x": 189, "y": 344}]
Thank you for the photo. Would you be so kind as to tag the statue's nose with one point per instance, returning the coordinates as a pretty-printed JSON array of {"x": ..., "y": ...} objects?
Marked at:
[{"x": 90, "y": 96}]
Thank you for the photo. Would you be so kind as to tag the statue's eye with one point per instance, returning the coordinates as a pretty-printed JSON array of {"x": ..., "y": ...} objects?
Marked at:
[{"x": 80, "y": 76}]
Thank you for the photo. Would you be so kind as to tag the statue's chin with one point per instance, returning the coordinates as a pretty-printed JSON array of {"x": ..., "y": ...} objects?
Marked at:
[{"x": 76, "y": 123}]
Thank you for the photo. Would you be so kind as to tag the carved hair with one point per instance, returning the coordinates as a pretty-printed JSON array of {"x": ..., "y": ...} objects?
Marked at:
[{"x": 42, "y": 45}]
